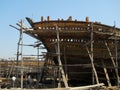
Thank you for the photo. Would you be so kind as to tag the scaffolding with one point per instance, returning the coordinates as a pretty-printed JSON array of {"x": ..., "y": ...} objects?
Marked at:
[{"x": 78, "y": 52}]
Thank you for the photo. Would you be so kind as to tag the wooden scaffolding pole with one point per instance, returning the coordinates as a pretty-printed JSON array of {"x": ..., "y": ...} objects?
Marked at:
[
  {"x": 20, "y": 46},
  {"x": 106, "y": 74},
  {"x": 116, "y": 55},
  {"x": 21, "y": 54},
  {"x": 65, "y": 63},
  {"x": 59, "y": 59},
  {"x": 113, "y": 61},
  {"x": 90, "y": 53},
  {"x": 93, "y": 66}
]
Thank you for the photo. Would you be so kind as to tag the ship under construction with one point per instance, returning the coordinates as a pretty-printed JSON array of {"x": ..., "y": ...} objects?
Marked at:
[{"x": 78, "y": 52}]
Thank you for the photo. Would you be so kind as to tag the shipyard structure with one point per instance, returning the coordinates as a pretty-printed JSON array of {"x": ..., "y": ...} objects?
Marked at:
[{"x": 78, "y": 52}]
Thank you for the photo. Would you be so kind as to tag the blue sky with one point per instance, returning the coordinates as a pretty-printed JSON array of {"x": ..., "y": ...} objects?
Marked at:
[{"x": 12, "y": 11}]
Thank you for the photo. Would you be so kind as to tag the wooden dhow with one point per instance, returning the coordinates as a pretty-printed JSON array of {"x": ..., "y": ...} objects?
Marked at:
[{"x": 78, "y": 52}]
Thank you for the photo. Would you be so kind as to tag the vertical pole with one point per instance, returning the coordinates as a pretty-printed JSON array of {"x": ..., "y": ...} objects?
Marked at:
[
  {"x": 21, "y": 38},
  {"x": 38, "y": 58},
  {"x": 116, "y": 55},
  {"x": 92, "y": 60},
  {"x": 18, "y": 53},
  {"x": 0, "y": 69},
  {"x": 91, "y": 44},
  {"x": 65, "y": 63},
  {"x": 113, "y": 61},
  {"x": 38, "y": 65},
  {"x": 106, "y": 74},
  {"x": 59, "y": 59},
  {"x": 17, "y": 60},
  {"x": 93, "y": 67}
]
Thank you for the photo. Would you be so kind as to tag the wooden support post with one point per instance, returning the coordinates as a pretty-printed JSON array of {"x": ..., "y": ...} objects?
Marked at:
[
  {"x": 20, "y": 46},
  {"x": 90, "y": 53},
  {"x": 59, "y": 59},
  {"x": 43, "y": 69},
  {"x": 106, "y": 74},
  {"x": 38, "y": 69},
  {"x": 110, "y": 54},
  {"x": 117, "y": 76},
  {"x": 65, "y": 63},
  {"x": 17, "y": 58},
  {"x": 93, "y": 67},
  {"x": 21, "y": 39},
  {"x": 116, "y": 55},
  {"x": 11, "y": 69}
]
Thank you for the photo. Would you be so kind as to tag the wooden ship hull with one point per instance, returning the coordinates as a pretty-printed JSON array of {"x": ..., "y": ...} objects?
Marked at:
[{"x": 83, "y": 52}]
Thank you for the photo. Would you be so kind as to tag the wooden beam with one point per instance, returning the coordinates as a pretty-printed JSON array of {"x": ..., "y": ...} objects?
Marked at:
[
  {"x": 113, "y": 61},
  {"x": 93, "y": 66},
  {"x": 106, "y": 74},
  {"x": 59, "y": 59},
  {"x": 87, "y": 87}
]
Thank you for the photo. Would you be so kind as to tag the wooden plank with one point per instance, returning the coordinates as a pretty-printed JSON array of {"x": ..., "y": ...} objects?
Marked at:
[{"x": 86, "y": 87}]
